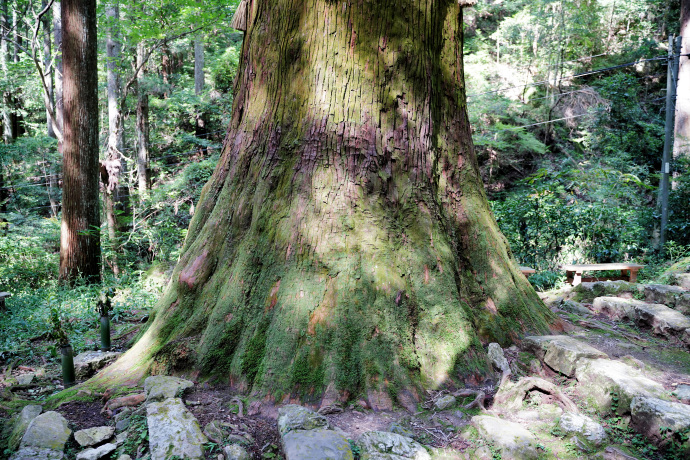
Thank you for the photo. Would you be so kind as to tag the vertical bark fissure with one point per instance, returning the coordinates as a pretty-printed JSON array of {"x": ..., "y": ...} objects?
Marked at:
[
  {"x": 80, "y": 249},
  {"x": 681, "y": 142},
  {"x": 348, "y": 197}
]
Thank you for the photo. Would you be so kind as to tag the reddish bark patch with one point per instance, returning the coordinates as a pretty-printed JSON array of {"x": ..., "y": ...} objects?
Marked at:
[
  {"x": 426, "y": 274},
  {"x": 273, "y": 297},
  {"x": 491, "y": 306},
  {"x": 322, "y": 313},
  {"x": 188, "y": 276}
]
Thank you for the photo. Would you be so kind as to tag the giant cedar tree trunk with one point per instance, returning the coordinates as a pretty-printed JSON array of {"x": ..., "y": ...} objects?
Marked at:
[
  {"x": 681, "y": 143},
  {"x": 80, "y": 249},
  {"x": 344, "y": 242}
]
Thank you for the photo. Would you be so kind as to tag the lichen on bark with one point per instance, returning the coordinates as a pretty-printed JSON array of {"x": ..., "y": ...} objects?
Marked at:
[{"x": 344, "y": 237}]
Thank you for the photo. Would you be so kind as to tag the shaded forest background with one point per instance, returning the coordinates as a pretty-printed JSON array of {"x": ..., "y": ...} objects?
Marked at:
[{"x": 566, "y": 101}]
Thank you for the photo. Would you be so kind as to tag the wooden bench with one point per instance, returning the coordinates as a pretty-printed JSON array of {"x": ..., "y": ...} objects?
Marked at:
[
  {"x": 3, "y": 295},
  {"x": 574, "y": 272},
  {"x": 527, "y": 271}
]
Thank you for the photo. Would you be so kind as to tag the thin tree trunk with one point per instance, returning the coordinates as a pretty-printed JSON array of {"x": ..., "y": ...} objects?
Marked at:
[
  {"x": 7, "y": 124},
  {"x": 681, "y": 143},
  {"x": 80, "y": 249},
  {"x": 49, "y": 71},
  {"x": 142, "y": 128},
  {"x": 114, "y": 161},
  {"x": 201, "y": 128},
  {"x": 57, "y": 32},
  {"x": 198, "y": 65},
  {"x": 344, "y": 241}
]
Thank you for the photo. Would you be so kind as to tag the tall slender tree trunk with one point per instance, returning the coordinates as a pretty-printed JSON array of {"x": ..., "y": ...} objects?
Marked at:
[
  {"x": 49, "y": 71},
  {"x": 142, "y": 127},
  {"x": 8, "y": 134},
  {"x": 201, "y": 126},
  {"x": 344, "y": 244},
  {"x": 80, "y": 249},
  {"x": 57, "y": 33},
  {"x": 681, "y": 143},
  {"x": 198, "y": 65},
  {"x": 114, "y": 163}
]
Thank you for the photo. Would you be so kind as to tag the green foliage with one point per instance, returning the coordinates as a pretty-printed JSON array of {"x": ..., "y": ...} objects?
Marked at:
[
  {"x": 225, "y": 69},
  {"x": 137, "y": 436},
  {"x": 551, "y": 221}
]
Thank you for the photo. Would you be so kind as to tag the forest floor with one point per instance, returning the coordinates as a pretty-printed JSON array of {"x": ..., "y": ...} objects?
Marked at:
[{"x": 666, "y": 361}]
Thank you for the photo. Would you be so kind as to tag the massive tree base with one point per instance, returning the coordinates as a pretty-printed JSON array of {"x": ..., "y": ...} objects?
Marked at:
[{"x": 344, "y": 244}]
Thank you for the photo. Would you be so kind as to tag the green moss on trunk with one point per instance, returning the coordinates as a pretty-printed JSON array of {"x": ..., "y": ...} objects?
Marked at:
[{"x": 345, "y": 237}]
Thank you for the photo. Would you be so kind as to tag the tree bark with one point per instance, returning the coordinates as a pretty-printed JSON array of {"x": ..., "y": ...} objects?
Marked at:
[
  {"x": 8, "y": 134},
  {"x": 344, "y": 242},
  {"x": 142, "y": 127},
  {"x": 114, "y": 163},
  {"x": 198, "y": 65},
  {"x": 681, "y": 143},
  {"x": 47, "y": 65},
  {"x": 57, "y": 33},
  {"x": 80, "y": 249}
]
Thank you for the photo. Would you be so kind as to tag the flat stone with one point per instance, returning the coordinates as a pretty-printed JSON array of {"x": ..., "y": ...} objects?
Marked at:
[
  {"x": 49, "y": 431},
  {"x": 316, "y": 444},
  {"x": 96, "y": 453},
  {"x": 25, "y": 379},
  {"x": 682, "y": 392},
  {"x": 574, "y": 307},
  {"x": 235, "y": 452},
  {"x": 160, "y": 387},
  {"x": 511, "y": 439},
  {"x": 661, "y": 293},
  {"x": 445, "y": 402},
  {"x": 682, "y": 280},
  {"x": 648, "y": 415},
  {"x": 582, "y": 425},
  {"x": 497, "y": 358},
  {"x": 37, "y": 453},
  {"x": 383, "y": 445},
  {"x": 589, "y": 291},
  {"x": 173, "y": 430},
  {"x": 26, "y": 416},
  {"x": 214, "y": 431},
  {"x": 88, "y": 363},
  {"x": 617, "y": 307},
  {"x": 561, "y": 352},
  {"x": 599, "y": 379},
  {"x": 93, "y": 436},
  {"x": 293, "y": 417},
  {"x": 124, "y": 457},
  {"x": 662, "y": 319}
]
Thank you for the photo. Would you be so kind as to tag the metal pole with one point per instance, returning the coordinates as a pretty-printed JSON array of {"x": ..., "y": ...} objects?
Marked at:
[{"x": 672, "y": 72}]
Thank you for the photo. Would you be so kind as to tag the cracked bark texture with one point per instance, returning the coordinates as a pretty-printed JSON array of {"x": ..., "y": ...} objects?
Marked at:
[
  {"x": 344, "y": 241},
  {"x": 80, "y": 247}
]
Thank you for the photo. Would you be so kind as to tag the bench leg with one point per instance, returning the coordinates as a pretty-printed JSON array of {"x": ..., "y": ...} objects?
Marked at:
[
  {"x": 574, "y": 278},
  {"x": 633, "y": 276}
]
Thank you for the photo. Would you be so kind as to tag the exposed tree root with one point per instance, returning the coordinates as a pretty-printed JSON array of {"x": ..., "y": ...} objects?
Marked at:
[{"x": 511, "y": 396}]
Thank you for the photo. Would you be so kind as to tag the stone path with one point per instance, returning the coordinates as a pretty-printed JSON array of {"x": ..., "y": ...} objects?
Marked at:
[{"x": 530, "y": 418}]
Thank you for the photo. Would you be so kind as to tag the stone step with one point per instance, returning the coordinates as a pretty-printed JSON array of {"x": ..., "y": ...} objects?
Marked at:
[
  {"x": 661, "y": 319},
  {"x": 610, "y": 386},
  {"x": 672, "y": 296},
  {"x": 560, "y": 352},
  {"x": 682, "y": 280},
  {"x": 510, "y": 439},
  {"x": 173, "y": 430},
  {"x": 650, "y": 415}
]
